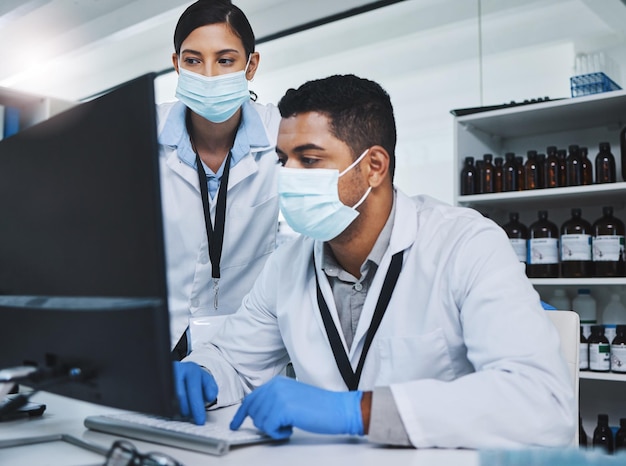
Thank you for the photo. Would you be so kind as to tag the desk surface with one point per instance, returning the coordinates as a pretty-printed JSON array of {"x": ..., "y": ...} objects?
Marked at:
[{"x": 65, "y": 416}]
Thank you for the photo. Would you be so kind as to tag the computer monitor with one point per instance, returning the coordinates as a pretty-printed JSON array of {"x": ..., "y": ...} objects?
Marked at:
[{"x": 82, "y": 260}]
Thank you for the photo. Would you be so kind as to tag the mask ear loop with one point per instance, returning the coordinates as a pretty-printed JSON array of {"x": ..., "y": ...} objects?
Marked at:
[{"x": 355, "y": 163}]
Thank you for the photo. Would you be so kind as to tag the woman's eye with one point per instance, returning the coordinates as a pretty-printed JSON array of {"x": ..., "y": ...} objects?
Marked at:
[
  {"x": 225, "y": 61},
  {"x": 192, "y": 61}
]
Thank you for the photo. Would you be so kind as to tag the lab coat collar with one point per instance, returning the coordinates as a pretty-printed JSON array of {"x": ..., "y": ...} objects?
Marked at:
[{"x": 403, "y": 236}]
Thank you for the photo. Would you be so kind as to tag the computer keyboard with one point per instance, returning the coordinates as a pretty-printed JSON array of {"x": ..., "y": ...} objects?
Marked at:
[{"x": 214, "y": 437}]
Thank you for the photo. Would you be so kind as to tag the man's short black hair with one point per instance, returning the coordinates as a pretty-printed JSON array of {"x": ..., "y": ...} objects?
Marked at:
[{"x": 359, "y": 110}]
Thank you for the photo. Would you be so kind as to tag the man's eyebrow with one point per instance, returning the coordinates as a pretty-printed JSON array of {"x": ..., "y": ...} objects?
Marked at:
[{"x": 302, "y": 148}]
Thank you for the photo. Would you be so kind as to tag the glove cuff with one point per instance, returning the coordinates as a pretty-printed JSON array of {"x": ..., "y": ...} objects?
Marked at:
[{"x": 354, "y": 417}]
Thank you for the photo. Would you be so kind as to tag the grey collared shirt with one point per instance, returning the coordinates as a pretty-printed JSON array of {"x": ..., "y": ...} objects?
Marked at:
[{"x": 349, "y": 293}]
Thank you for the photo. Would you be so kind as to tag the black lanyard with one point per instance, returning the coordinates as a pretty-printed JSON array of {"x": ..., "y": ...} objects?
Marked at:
[
  {"x": 215, "y": 236},
  {"x": 350, "y": 377}
]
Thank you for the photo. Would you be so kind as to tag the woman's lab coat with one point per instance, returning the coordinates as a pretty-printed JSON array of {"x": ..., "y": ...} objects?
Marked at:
[
  {"x": 471, "y": 358},
  {"x": 249, "y": 235}
]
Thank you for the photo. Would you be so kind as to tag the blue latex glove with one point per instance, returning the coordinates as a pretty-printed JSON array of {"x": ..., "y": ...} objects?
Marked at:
[
  {"x": 195, "y": 387},
  {"x": 284, "y": 403}
]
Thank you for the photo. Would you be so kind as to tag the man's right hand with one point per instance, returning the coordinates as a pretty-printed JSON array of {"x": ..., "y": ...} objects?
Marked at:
[{"x": 195, "y": 387}]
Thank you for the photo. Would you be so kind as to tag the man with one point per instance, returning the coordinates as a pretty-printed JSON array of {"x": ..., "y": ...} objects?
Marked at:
[{"x": 405, "y": 319}]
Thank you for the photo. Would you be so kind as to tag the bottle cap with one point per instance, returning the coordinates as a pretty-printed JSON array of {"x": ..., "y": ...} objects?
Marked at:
[
  {"x": 620, "y": 329},
  {"x": 603, "y": 419},
  {"x": 576, "y": 212},
  {"x": 607, "y": 210},
  {"x": 514, "y": 216},
  {"x": 469, "y": 159},
  {"x": 605, "y": 146},
  {"x": 550, "y": 149},
  {"x": 531, "y": 153},
  {"x": 509, "y": 156},
  {"x": 573, "y": 148},
  {"x": 597, "y": 329},
  {"x": 584, "y": 291},
  {"x": 488, "y": 157}
]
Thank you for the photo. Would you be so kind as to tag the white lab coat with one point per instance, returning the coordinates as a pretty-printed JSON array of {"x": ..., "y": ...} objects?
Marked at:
[
  {"x": 470, "y": 356},
  {"x": 249, "y": 235}
]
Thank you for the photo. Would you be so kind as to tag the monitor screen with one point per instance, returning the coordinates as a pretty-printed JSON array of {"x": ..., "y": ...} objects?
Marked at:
[{"x": 82, "y": 261}]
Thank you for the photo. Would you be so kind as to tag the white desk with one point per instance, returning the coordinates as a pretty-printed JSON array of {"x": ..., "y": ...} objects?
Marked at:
[{"x": 66, "y": 416}]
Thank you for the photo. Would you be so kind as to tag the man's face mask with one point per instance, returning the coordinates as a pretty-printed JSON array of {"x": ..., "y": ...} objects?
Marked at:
[{"x": 309, "y": 201}]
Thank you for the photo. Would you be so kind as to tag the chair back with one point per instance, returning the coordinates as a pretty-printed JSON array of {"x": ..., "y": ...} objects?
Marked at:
[{"x": 567, "y": 324}]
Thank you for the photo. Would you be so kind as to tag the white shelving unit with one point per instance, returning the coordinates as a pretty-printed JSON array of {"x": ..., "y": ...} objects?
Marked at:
[
  {"x": 585, "y": 121},
  {"x": 33, "y": 108}
]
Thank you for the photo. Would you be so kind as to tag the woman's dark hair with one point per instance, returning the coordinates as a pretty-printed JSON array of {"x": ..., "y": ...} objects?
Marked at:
[
  {"x": 205, "y": 12},
  {"x": 359, "y": 110}
]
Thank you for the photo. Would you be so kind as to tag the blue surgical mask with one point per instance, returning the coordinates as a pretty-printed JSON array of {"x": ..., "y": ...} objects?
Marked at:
[
  {"x": 215, "y": 98},
  {"x": 309, "y": 201}
]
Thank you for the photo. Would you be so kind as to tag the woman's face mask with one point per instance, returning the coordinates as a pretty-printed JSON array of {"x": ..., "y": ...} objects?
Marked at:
[
  {"x": 215, "y": 98},
  {"x": 309, "y": 201}
]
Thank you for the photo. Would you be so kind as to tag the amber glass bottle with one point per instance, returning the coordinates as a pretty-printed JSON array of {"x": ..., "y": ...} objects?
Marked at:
[
  {"x": 518, "y": 235},
  {"x": 531, "y": 170},
  {"x": 574, "y": 168},
  {"x": 561, "y": 154},
  {"x": 605, "y": 164},
  {"x": 486, "y": 174},
  {"x": 521, "y": 175},
  {"x": 576, "y": 247},
  {"x": 509, "y": 173},
  {"x": 551, "y": 169},
  {"x": 543, "y": 248},
  {"x": 498, "y": 175},
  {"x": 608, "y": 245},
  {"x": 468, "y": 177},
  {"x": 586, "y": 167}
]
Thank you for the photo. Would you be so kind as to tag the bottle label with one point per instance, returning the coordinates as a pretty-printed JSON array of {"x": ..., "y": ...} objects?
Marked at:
[
  {"x": 543, "y": 251},
  {"x": 599, "y": 356},
  {"x": 584, "y": 356},
  {"x": 608, "y": 248},
  {"x": 618, "y": 358},
  {"x": 519, "y": 246},
  {"x": 575, "y": 247}
]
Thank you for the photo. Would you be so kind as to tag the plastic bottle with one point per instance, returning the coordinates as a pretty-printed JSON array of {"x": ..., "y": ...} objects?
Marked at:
[
  {"x": 583, "y": 358},
  {"x": 602, "y": 435},
  {"x": 518, "y": 235},
  {"x": 608, "y": 245},
  {"x": 605, "y": 164},
  {"x": 521, "y": 175},
  {"x": 585, "y": 306},
  {"x": 551, "y": 171},
  {"x": 532, "y": 173},
  {"x": 586, "y": 167},
  {"x": 498, "y": 174},
  {"x": 509, "y": 176},
  {"x": 561, "y": 154},
  {"x": 618, "y": 350},
  {"x": 543, "y": 248},
  {"x": 574, "y": 169},
  {"x": 486, "y": 174},
  {"x": 613, "y": 314},
  {"x": 620, "y": 436},
  {"x": 469, "y": 177},
  {"x": 576, "y": 255},
  {"x": 560, "y": 300},
  {"x": 599, "y": 350}
]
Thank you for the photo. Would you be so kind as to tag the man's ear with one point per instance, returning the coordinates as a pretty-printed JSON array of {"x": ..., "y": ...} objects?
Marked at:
[{"x": 378, "y": 160}]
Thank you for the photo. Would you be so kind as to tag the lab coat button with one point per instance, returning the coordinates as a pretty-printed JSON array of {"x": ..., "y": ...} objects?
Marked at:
[{"x": 358, "y": 286}]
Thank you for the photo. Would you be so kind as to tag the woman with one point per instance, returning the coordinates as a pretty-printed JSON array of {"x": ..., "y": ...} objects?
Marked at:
[{"x": 215, "y": 137}]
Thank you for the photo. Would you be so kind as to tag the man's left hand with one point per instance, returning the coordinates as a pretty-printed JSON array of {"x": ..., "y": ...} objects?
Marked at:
[{"x": 284, "y": 403}]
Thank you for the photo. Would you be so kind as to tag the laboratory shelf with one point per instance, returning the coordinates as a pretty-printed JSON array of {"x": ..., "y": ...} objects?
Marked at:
[{"x": 611, "y": 376}]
